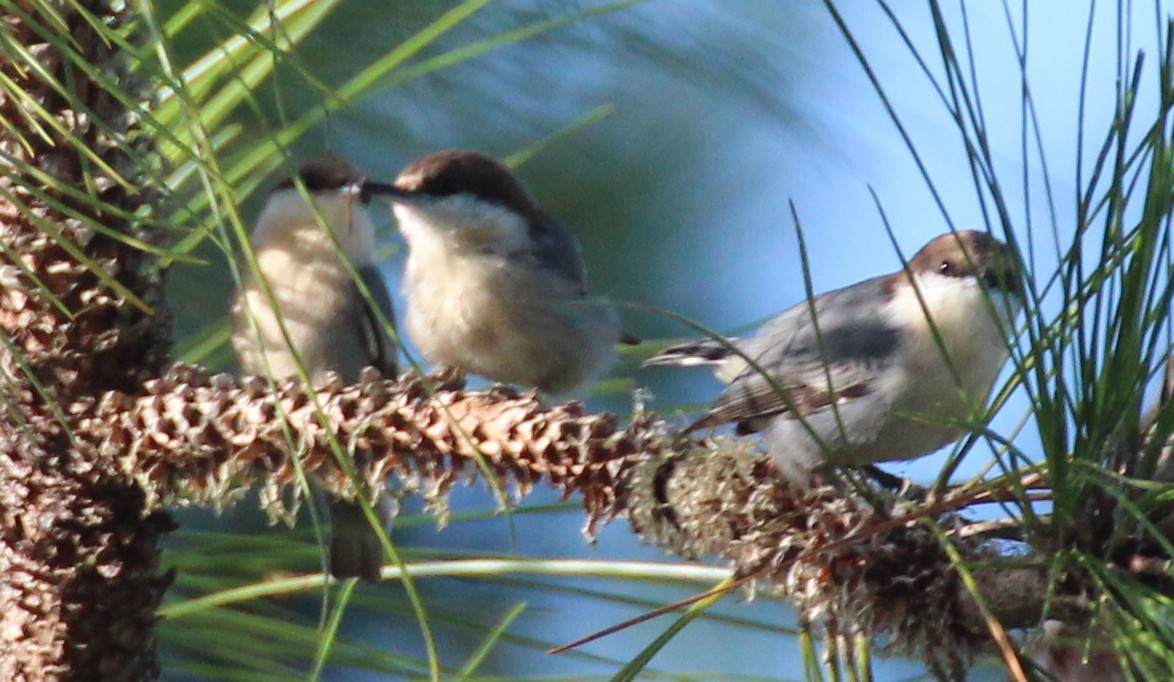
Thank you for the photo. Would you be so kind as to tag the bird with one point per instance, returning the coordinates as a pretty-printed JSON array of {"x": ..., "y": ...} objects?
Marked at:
[
  {"x": 885, "y": 369},
  {"x": 331, "y": 326},
  {"x": 494, "y": 285}
]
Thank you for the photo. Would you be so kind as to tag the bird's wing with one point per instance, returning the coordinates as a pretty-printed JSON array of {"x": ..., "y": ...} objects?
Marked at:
[
  {"x": 556, "y": 248},
  {"x": 797, "y": 371},
  {"x": 377, "y": 345}
]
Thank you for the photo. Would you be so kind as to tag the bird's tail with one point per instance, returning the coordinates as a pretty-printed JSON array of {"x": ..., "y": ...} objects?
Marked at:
[
  {"x": 355, "y": 548},
  {"x": 697, "y": 353}
]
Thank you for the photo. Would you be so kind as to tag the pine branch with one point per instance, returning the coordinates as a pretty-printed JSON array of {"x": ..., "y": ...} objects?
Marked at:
[
  {"x": 190, "y": 438},
  {"x": 196, "y": 439}
]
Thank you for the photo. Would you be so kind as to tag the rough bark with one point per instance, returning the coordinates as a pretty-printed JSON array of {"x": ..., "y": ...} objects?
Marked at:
[{"x": 77, "y": 551}]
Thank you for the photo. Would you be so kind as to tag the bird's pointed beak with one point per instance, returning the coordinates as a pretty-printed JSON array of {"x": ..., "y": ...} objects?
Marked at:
[{"x": 389, "y": 192}]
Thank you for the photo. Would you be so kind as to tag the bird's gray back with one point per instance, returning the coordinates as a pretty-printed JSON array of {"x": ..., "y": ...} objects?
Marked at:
[
  {"x": 848, "y": 345},
  {"x": 555, "y": 248},
  {"x": 846, "y": 328}
]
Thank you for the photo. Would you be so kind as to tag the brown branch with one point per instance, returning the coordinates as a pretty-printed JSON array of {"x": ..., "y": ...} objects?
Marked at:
[
  {"x": 199, "y": 439},
  {"x": 196, "y": 439}
]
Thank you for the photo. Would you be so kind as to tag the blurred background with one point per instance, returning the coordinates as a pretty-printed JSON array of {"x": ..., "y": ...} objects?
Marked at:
[{"x": 674, "y": 139}]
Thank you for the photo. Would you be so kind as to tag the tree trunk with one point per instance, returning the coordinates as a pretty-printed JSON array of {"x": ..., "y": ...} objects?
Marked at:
[{"x": 80, "y": 316}]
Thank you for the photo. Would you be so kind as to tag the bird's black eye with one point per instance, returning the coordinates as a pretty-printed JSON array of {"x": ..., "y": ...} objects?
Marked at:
[{"x": 946, "y": 268}]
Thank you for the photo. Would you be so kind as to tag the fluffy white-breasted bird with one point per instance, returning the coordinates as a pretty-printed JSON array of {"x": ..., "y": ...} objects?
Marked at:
[
  {"x": 885, "y": 369},
  {"x": 493, "y": 284},
  {"x": 330, "y": 325}
]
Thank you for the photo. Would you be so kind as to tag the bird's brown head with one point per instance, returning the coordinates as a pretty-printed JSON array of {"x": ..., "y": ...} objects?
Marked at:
[
  {"x": 969, "y": 253},
  {"x": 323, "y": 174},
  {"x": 456, "y": 172}
]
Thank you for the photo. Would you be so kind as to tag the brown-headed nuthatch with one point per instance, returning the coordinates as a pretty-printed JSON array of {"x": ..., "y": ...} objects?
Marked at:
[
  {"x": 329, "y": 323},
  {"x": 885, "y": 369},
  {"x": 493, "y": 285}
]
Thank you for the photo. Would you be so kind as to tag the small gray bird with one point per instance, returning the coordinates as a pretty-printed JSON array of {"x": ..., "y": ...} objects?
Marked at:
[
  {"x": 494, "y": 286},
  {"x": 873, "y": 380},
  {"x": 330, "y": 324}
]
